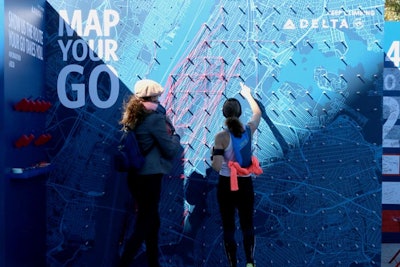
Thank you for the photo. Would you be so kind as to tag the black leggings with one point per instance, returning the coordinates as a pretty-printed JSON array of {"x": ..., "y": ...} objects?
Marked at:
[
  {"x": 242, "y": 201},
  {"x": 146, "y": 190}
]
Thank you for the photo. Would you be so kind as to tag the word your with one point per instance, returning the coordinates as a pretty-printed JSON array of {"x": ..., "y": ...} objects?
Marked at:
[{"x": 95, "y": 45}]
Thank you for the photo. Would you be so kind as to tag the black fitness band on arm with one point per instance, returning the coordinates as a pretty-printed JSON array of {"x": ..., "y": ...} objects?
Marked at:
[{"x": 217, "y": 152}]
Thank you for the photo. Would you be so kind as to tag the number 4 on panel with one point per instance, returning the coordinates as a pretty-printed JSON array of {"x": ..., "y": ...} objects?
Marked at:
[{"x": 393, "y": 54}]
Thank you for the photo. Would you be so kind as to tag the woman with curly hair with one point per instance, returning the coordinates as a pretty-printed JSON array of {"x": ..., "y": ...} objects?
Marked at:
[{"x": 157, "y": 140}]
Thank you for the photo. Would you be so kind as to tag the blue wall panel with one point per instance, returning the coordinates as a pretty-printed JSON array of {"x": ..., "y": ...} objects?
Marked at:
[
  {"x": 23, "y": 201},
  {"x": 2, "y": 185},
  {"x": 390, "y": 145},
  {"x": 317, "y": 71}
]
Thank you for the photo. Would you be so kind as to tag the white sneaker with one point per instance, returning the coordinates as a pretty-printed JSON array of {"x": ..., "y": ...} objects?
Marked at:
[{"x": 250, "y": 265}]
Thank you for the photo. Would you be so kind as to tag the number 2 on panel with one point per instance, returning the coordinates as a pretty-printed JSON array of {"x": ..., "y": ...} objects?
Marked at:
[{"x": 394, "y": 112}]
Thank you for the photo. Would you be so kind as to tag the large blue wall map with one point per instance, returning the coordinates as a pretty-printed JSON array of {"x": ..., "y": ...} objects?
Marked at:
[{"x": 315, "y": 68}]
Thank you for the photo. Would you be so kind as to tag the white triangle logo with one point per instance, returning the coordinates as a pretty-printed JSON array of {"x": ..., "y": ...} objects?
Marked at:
[{"x": 289, "y": 25}]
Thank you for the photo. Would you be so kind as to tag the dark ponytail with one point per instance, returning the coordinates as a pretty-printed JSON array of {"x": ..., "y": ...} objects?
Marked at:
[
  {"x": 232, "y": 111},
  {"x": 235, "y": 126}
]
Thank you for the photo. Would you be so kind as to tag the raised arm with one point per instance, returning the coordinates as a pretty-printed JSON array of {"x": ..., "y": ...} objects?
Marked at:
[{"x": 255, "y": 119}]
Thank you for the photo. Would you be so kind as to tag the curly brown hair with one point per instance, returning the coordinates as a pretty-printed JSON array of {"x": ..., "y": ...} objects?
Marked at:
[{"x": 133, "y": 112}]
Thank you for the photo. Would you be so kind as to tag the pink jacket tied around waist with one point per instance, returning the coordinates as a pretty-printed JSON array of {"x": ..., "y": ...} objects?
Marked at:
[{"x": 236, "y": 171}]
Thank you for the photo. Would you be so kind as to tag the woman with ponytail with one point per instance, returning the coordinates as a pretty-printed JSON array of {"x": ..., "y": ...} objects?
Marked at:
[{"x": 232, "y": 158}]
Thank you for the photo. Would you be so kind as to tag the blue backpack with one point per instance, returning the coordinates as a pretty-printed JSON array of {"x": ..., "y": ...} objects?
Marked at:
[
  {"x": 242, "y": 147},
  {"x": 128, "y": 156}
]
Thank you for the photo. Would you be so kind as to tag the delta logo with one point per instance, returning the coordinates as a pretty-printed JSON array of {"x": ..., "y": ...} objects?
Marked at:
[{"x": 291, "y": 24}]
